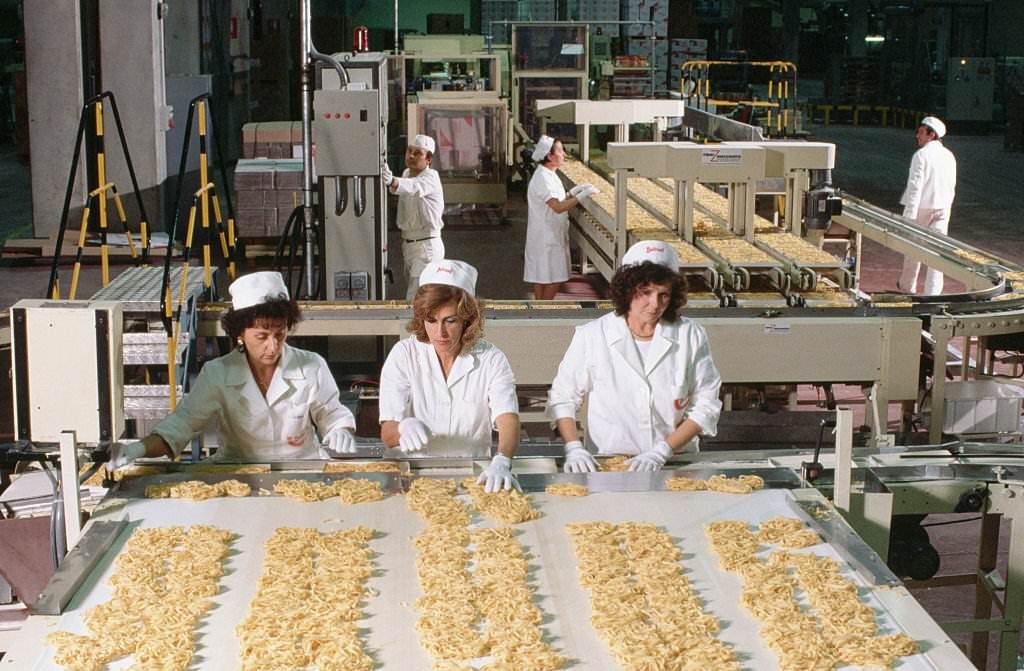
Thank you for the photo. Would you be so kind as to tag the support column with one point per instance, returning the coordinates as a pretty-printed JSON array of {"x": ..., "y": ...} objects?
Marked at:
[
  {"x": 53, "y": 63},
  {"x": 858, "y": 27}
]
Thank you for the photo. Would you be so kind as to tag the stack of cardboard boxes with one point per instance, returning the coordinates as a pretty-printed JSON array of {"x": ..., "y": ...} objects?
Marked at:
[
  {"x": 642, "y": 12},
  {"x": 266, "y": 192},
  {"x": 272, "y": 139},
  {"x": 682, "y": 51},
  {"x": 268, "y": 178}
]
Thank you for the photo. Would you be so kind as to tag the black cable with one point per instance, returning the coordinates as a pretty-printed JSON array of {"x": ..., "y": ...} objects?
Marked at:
[{"x": 942, "y": 524}]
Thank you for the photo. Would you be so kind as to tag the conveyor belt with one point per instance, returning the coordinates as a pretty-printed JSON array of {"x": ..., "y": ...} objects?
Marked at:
[{"x": 390, "y": 617}]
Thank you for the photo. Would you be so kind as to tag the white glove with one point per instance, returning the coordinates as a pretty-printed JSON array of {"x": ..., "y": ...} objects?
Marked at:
[
  {"x": 124, "y": 454},
  {"x": 587, "y": 191},
  {"x": 385, "y": 174},
  {"x": 575, "y": 191},
  {"x": 577, "y": 459},
  {"x": 412, "y": 435},
  {"x": 340, "y": 441},
  {"x": 651, "y": 460},
  {"x": 498, "y": 475}
]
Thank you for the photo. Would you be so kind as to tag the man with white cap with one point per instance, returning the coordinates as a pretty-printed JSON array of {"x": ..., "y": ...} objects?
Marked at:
[
  {"x": 928, "y": 198},
  {"x": 444, "y": 388},
  {"x": 420, "y": 206},
  {"x": 648, "y": 372},
  {"x": 271, "y": 401},
  {"x": 547, "y": 224}
]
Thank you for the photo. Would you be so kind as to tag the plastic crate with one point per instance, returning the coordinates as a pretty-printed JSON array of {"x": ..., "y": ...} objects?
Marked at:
[{"x": 982, "y": 406}]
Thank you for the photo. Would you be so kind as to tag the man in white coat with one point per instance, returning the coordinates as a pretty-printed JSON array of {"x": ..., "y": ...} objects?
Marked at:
[
  {"x": 420, "y": 207},
  {"x": 271, "y": 401},
  {"x": 648, "y": 372},
  {"x": 928, "y": 198},
  {"x": 444, "y": 388},
  {"x": 547, "y": 224}
]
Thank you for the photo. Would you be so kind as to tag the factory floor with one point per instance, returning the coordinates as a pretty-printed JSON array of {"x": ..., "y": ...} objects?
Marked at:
[{"x": 871, "y": 163}]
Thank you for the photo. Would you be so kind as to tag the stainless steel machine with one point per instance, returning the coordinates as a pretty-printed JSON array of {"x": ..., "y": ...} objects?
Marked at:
[{"x": 351, "y": 146}]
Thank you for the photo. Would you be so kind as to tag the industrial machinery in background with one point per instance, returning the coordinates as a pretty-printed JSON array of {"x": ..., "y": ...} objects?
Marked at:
[
  {"x": 351, "y": 146},
  {"x": 456, "y": 99},
  {"x": 551, "y": 61},
  {"x": 760, "y": 93},
  {"x": 970, "y": 87}
]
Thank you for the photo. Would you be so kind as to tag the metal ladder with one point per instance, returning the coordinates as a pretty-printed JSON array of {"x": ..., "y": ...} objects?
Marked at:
[{"x": 144, "y": 341}]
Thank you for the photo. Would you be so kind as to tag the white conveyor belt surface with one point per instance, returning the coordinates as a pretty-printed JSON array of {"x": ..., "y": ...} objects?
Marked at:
[{"x": 390, "y": 618}]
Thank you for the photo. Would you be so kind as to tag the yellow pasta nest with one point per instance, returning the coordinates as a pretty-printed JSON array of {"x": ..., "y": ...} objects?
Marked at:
[
  {"x": 613, "y": 464},
  {"x": 507, "y": 506},
  {"x": 307, "y": 605},
  {"x": 349, "y": 490},
  {"x": 355, "y": 490},
  {"x": 643, "y": 606},
  {"x": 684, "y": 484},
  {"x": 197, "y": 490},
  {"x": 843, "y": 628},
  {"x": 466, "y": 615},
  {"x": 361, "y": 467},
  {"x": 163, "y": 580},
  {"x": 974, "y": 257},
  {"x": 796, "y": 248},
  {"x": 738, "y": 251},
  {"x": 566, "y": 489},
  {"x": 741, "y": 484}
]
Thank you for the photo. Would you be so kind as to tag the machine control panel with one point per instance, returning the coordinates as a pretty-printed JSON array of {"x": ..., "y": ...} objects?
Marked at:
[{"x": 348, "y": 128}]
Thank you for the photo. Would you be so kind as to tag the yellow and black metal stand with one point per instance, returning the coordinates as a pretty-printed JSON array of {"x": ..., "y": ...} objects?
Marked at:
[{"x": 97, "y": 197}]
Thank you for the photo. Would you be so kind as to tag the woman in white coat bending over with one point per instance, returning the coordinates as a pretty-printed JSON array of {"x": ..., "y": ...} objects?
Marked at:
[
  {"x": 443, "y": 388},
  {"x": 547, "y": 224},
  {"x": 272, "y": 401},
  {"x": 652, "y": 385}
]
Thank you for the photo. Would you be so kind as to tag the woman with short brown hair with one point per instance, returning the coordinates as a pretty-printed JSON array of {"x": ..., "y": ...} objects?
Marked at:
[{"x": 445, "y": 388}]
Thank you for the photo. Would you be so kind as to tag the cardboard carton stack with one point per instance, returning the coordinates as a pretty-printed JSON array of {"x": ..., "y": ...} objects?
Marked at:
[
  {"x": 272, "y": 139},
  {"x": 266, "y": 192}
]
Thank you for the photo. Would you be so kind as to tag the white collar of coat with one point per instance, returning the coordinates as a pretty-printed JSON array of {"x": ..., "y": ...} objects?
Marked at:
[
  {"x": 290, "y": 367},
  {"x": 616, "y": 329},
  {"x": 464, "y": 362}
]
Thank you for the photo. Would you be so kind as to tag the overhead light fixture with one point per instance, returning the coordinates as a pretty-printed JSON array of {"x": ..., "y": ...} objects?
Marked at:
[{"x": 874, "y": 38}]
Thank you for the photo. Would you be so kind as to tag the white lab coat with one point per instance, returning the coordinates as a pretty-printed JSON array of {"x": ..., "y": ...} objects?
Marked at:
[
  {"x": 633, "y": 404},
  {"x": 931, "y": 183},
  {"x": 301, "y": 401},
  {"x": 420, "y": 208},
  {"x": 547, "y": 232},
  {"x": 460, "y": 411},
  {"x": 927, "y": 200}
]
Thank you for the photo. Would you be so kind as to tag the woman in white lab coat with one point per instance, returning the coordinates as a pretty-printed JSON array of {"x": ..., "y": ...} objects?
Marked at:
[
  {"x": 443, "y": 388},
  {"x": 272, "y": 401},
  {"x": 547, "y": 226},
  {"x": 651, "y": 382}
]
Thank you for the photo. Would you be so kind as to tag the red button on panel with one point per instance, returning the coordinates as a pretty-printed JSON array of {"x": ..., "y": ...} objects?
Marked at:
[
  {"x": 347, "y": 115},
  {"x": 327, "y": 115}
]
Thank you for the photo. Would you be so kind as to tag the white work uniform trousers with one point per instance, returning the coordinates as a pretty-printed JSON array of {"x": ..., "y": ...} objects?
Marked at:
[
  {"x": 416, "y": 256},
  {"x": 934, "y": 220}
]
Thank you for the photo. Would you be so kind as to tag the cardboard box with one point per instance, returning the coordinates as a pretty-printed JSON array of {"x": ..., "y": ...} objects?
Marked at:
[
  {"x": 254, "y": 175},
  {"x": 254, "y": 200},
  {"x": 256, "y": 223}
]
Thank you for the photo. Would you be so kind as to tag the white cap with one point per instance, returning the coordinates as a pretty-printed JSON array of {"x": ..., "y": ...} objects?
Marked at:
[
  {"x": 654, "y": 251},
  {"x": 424, "y": 142},
  {"x": 935, "y": 124},
  {"x": 453, "y": 273},
  {"x": 256, "y": 288},
  {"x": 543, "y": 147}
]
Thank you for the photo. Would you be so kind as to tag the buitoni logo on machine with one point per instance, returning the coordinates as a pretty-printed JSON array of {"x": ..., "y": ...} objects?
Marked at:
[{"x": 722, "y": 156}]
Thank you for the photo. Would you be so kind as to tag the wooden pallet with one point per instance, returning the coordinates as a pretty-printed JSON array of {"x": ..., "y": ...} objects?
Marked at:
[{"x": 45, "y": 247}]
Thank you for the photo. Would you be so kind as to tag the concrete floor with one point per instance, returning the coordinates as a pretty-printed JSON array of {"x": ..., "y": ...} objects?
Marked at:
[{"x": 871, "y": 163}]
